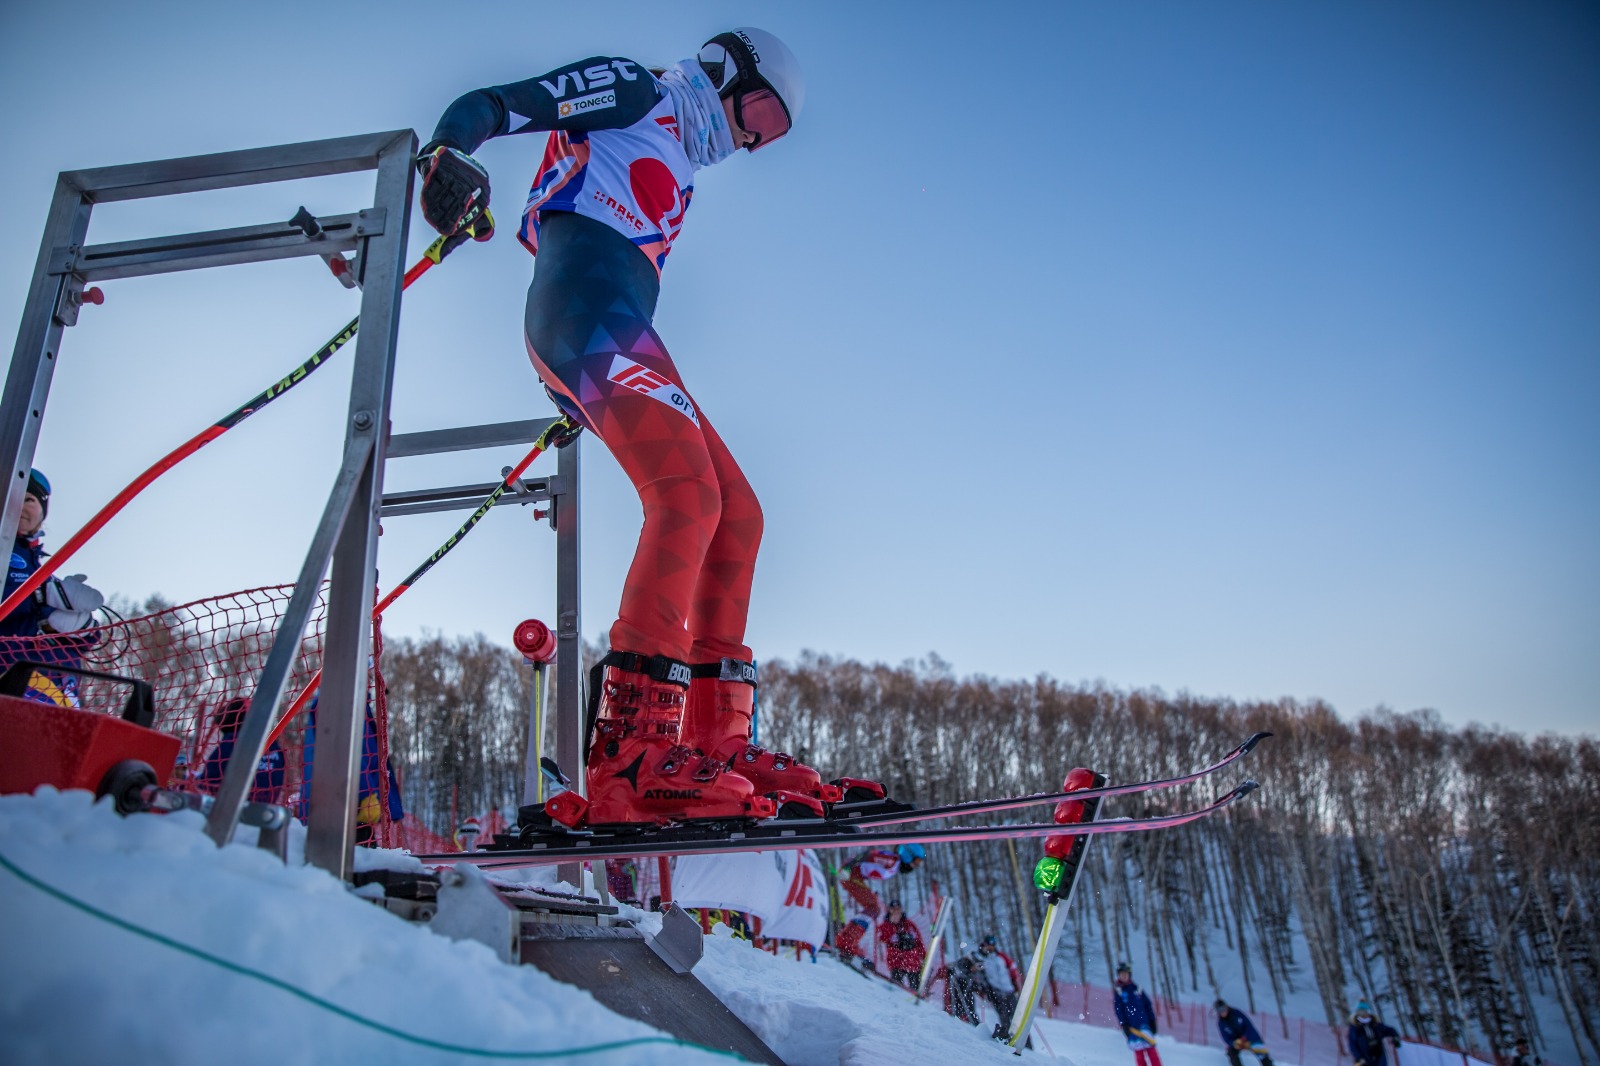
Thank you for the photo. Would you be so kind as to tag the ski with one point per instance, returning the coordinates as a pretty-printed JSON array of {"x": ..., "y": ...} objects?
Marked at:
[
  {"x": 1065, "y": 879},
  {"x": 786, "y": 835},
  {"x": 871, "y": 814}
]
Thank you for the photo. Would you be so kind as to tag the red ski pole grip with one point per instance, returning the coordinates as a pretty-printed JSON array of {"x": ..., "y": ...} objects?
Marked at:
[{"x": 535, "y": 641}]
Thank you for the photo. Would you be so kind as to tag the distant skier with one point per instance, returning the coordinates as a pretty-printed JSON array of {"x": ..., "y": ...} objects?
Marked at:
[
  {"x": 1367, "y": 1037},
  {"x": 903, "y": 941},
  {"x": 1000, "y": 981},
  {"x": 1137, "y": 1018},
  {"x": 875, "y": 866},
  {"x": 672, "y": 703},
  {"x": 1239, "y": 1035}
]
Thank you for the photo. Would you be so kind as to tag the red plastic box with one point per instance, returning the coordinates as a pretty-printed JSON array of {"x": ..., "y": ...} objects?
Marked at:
[{"x": 42, "y": 744}]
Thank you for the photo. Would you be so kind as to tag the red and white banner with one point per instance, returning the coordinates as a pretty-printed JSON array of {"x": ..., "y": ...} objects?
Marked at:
[{"x": 785, "y": 889}]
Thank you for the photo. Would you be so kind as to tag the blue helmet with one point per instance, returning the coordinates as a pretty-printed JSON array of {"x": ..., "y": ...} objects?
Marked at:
[
  {"x": 39, "y": 487},
  {"x": 909, "y": 853}
]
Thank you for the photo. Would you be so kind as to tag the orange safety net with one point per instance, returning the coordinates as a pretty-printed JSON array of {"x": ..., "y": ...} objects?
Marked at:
[{"x": 202, "y": 659}]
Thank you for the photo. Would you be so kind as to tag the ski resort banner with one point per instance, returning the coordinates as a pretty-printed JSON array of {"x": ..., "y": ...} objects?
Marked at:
[{"x": 785, "y": 889}]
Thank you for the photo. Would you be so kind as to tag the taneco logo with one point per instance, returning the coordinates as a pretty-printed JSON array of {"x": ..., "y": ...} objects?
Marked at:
[{"x": 569, "y": 108}]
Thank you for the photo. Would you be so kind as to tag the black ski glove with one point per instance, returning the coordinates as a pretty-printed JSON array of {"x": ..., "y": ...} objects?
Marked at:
[
  {"x": 455, "y": 192},
  {"x": 562, "y": 435},
  {"x": 566, "y": 434}
]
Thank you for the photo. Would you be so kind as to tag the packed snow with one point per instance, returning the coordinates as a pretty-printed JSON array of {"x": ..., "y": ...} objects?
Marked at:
[{"x": 136, "y": 939}]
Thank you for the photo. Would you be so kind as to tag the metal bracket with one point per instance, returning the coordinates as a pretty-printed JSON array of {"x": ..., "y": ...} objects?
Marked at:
[
  {"x": 469, "y": 908},
  {"x": 680, "y": 942},
  {"x": 370, "y": 221}
]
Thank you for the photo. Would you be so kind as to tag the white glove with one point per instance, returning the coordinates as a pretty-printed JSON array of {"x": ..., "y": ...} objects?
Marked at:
[{"x": 73, "y": 602}]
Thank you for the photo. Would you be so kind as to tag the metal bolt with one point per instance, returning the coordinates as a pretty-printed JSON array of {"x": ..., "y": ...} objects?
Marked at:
[{"x": 363, "y": 420}]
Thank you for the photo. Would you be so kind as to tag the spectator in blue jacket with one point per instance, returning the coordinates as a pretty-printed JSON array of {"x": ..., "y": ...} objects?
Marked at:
[
  {"x": 55, "y": 625},
  {"x": 1368, "y": 1036},
  {"x": 1239, "y": 1035},
  {"x": 1137, "y": 1018},
  {"x": 268, "y": 784},
  {"x": 370, "y": 784}
]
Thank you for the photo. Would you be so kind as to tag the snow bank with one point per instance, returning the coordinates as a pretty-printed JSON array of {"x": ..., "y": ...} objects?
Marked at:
[{"x": 82, "y": 988}]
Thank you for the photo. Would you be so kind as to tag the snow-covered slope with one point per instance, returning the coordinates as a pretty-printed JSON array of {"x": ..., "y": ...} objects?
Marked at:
[
  {"x": 175, "y": 951},
  {"x": 134, "y": 939}
]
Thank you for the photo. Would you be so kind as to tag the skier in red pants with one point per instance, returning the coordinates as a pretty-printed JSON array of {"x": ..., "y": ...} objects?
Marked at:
[
  {"x": 671, "y": 705},
  {"x": 1137, "y": 1018},
  {"x": 859, "y": 873}
]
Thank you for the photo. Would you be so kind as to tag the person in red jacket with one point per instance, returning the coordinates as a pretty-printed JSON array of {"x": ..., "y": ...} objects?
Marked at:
[{"x": 903, "y": 939}]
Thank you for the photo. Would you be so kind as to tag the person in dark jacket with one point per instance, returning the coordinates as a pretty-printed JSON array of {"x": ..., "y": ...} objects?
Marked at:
[
  {"x": 55, "y": 624},
  {"x": 1524, "y": 1056},
  {"x": 1137, "y": 1018},
  {"x": 903, "y": 940},
  {"x": 1368, "y": 1036},
  {"x": 268, "y": 784},
  {"x": 1238, "y": 1034},
  {"x": 960, "y": 988},
  {"x": 26, "y": 555}
]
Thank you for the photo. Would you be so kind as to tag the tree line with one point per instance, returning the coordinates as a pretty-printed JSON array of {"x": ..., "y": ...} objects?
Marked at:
[{"x": 1451, "y": 876}]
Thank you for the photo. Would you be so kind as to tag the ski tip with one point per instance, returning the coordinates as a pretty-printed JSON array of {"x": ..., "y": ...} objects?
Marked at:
[
  {"x": 1244, "y": 788},
  {"x": 1249, "y": 745}
]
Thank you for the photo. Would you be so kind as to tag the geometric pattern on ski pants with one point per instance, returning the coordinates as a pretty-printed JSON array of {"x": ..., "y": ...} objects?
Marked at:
[{"x": 589, "y": 335}]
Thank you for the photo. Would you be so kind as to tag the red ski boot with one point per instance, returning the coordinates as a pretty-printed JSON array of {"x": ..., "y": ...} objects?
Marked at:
[
  {"x": 639, "y": 771},
  {"x": 721, "y": 705}
]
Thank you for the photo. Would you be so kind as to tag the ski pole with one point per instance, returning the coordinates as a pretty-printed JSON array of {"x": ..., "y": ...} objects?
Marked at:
[
  {"x": 436, "y": 252},
  {"x": 561, "y": 429}
]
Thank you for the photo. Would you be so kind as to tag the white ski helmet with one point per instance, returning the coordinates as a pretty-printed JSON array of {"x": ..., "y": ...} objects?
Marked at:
[{"x": 761, "y": 75}]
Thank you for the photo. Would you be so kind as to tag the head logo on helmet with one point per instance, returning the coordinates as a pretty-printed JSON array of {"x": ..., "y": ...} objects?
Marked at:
[{"x": 762, "y": 77}]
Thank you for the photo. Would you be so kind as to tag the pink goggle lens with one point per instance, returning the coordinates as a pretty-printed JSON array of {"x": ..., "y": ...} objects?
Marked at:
[{"x": 763, "y": 114}]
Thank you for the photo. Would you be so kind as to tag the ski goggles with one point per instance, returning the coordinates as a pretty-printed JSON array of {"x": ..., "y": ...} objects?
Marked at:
[
  {"x": 762, "y": 114},
  {"x": 757, "y": 107}
]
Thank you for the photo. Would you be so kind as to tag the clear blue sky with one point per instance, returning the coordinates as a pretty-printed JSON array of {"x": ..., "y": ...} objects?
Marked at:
[{"x": 1251, "y": 349}]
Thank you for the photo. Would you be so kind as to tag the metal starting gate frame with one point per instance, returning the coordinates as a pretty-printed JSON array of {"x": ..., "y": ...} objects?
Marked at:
[{"x": 346, "y": 537}]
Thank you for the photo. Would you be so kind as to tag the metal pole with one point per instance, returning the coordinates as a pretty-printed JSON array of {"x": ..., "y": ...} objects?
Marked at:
[
  {"x": 33, "y": 360},
  {"x": 248, "y": 746},
  {"x": 341, "y": 714},
  {"x": 532, "y": 772},
  {"x": 569, "y": 738}
]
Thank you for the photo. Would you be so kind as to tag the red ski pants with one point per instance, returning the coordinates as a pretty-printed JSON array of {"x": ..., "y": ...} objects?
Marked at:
[
  {"x": 589, "y": 334},
  {"x": 866, "y": 899},
  {"x": 1146, "y": 1056}
]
